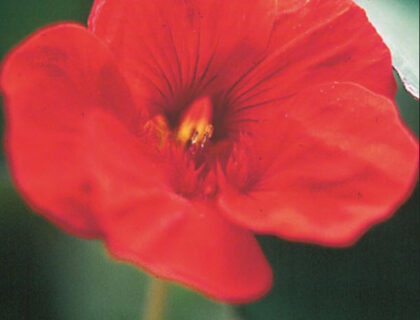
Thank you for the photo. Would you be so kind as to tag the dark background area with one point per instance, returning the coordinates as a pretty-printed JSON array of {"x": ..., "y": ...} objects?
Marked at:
[{"x": 46, "y": 274}]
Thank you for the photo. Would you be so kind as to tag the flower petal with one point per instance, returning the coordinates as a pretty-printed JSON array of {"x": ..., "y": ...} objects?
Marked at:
[
  {"x": 146, "y": 223},
  {"x": 191, "y": 244},
  {"x": 178, "y": 48},
  {"x": 338, "y": 161},
  {"x": 51, "y": 82},
  {"x": 323, "y": 41}
]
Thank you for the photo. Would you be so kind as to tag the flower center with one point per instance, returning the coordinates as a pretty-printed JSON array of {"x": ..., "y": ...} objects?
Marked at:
[
  {"x": 188, "y": 144},
  {"x": 195, "y": 128}
]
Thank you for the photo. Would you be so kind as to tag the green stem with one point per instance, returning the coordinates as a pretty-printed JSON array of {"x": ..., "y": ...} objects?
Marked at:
[{"x": 156, "y": 297}]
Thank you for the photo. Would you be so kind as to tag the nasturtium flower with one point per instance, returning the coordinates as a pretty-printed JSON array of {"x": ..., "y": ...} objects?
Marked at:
[{"x": 175, "y": 130}]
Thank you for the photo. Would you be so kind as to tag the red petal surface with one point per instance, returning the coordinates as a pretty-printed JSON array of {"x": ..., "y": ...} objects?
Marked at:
[
  {"x": 338, "y": 161},
  {"x": 322, "y": 41},
  {"x": 330, "y": 40},
  {"x": 146, "y": 223},
  {"x": 51, "y": 82},
  {"x": 175, "y": 49},
  {"x": 178, "y": 48}
]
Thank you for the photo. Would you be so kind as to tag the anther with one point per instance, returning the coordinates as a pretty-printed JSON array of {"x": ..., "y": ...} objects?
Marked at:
[
  {"x": 195, "y": 127},
  {"x": 194, "y": 138},
  {"x": 208, "y": 133}
]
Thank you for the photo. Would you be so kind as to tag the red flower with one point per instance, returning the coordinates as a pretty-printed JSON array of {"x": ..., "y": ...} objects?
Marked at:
[{"x": 174, "y": 130}]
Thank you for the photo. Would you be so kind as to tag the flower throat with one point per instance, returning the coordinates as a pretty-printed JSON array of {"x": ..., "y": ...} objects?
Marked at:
[{"x": 194, "y": 130}]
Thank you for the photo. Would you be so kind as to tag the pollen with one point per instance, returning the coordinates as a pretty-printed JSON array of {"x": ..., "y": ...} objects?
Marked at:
[{"x": 195, "y": 127}]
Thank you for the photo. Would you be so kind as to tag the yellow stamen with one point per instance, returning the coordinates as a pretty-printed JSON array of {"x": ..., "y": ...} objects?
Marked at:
[{"x": 195, "y": 126}]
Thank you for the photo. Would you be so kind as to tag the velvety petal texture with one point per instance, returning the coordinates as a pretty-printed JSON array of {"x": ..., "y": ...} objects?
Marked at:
[
  {"x": 50, "y": 84},
  {"x": 174, "y": 130},
  {"x": 180, "y": 49},
  {"x": 328, "y": 40},
  {"x": 324, "y": 41},
  {"x": 339, "y": 161},
  {"x": 236, "y": 46}
]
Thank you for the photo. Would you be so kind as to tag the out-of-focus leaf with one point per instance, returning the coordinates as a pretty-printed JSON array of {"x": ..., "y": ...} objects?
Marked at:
[
  {"x": 409, "y": 109},
  {"x": 398, "y": 23},
  {"x": 20, "y": 18},
  {"x": 90, "y": 285}
]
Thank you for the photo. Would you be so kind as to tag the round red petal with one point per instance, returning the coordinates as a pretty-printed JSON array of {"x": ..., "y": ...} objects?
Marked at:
[
  {"x": 51, "y": 82},
  {"x": 338, "y": 161}
]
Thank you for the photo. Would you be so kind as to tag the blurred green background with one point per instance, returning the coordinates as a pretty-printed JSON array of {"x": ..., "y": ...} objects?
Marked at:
[{"x": 46, "y": 274}]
